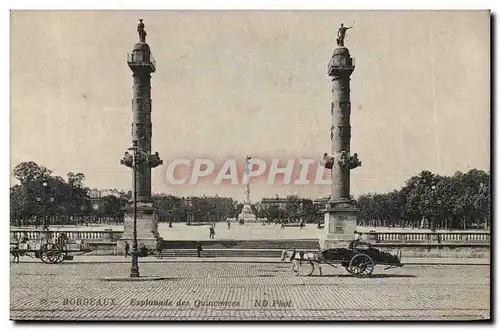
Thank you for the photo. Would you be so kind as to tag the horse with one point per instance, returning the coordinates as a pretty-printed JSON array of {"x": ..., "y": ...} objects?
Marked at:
[
  {"x": 14, "y": 251},
  {"x": 298, "y": 257}
]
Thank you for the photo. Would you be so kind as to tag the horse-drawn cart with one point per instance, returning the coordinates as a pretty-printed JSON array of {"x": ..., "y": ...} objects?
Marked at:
[
  {"x": 359, "y": 261},
  {"x": 48, "y": 250}
]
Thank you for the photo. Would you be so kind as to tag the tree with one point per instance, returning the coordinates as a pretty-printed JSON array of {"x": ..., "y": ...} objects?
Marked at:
[
  {"x": 76, "y": 180},
  {"x": 460, "y": 201},
  {"x": 30, "y": 171}
]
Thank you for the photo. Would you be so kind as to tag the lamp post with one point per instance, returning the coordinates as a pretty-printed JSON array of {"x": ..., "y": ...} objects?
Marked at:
[
  {"x": 134, "y": 269},
  {"x": 143, "y": 159},
  {"x": 45, "y": 224},
  {"x": 44, "y": 200},
  {"x": 433, "y": 225}
]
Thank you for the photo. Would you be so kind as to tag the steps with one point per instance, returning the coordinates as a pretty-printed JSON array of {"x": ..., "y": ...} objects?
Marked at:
[
  {"x": 282, "y": 244},
  {"x": 214, "y": 253}
]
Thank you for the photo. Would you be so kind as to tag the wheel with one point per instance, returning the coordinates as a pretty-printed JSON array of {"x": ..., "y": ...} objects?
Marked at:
[
  {"x": 361, "y": 265},
  {"x": 50, "y": 254}
]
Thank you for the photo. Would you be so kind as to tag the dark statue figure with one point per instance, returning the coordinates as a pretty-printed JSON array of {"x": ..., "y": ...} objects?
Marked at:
[
  {"x": 141, "y": 31},
  {"x": 328, "y": 161},
  {"x": 343, "y": 159},
  {"x": 354, "y": 162},
  {"x": 341, "y": 34},
  {"x": 127, "y": 160},
  {"x": 154, "y": 160},
  {"x": 349, "y": 162}
]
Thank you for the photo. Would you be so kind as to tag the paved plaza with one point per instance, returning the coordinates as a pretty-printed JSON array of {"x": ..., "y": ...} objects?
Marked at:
[{"x": 247, "y": 291}]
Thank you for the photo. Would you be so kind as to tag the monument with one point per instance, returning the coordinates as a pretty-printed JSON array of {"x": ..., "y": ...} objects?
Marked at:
[
  {"x": 340, "y": 212},
  {"x": 246, "y": 213},
  {"x": 142, "y": 64}
]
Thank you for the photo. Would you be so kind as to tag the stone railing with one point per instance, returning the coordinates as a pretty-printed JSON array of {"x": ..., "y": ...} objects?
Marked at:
[
  {"x": 442, "y": 237},
  {"x": 94, "y": 236}
]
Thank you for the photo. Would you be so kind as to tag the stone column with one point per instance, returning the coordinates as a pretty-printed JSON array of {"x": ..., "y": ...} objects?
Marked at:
[
  {"x": 340, "y": 212},
  {"x": 142, "y": 64},
  {"x": 246, "y": 213}
]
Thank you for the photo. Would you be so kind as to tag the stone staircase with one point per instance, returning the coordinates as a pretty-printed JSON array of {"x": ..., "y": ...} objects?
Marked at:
[
  {"x": 236, "y": 248},
  {"x": 214, "y": 253},
  {"x": 282, "y": 244}
]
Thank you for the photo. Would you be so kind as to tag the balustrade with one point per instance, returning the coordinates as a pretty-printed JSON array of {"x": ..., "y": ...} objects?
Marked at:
[
  {"x": 374, "y": 236},
  {"x": 416, "y": 237},
  {"x": 72, "y": 235}
]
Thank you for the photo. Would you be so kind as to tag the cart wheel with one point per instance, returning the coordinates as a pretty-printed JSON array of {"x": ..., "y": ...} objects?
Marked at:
[
  {"x": 56, "y": 256},
  {"x": 312, "y": 268},
  {"x": 361, "y": 265},
  {"x": 50, "y": 254},
  {"x": 43, "y": 254}
]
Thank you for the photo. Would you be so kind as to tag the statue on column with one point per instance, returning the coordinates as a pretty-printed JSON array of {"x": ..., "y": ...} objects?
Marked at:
[
  {"x": 328, "y": 161},
  {"x": 247, "y": 183},
  {"x": 154, "y": 160},
  {"x": 343, "y": 160},
  {"x": 347, "y": 161},
  {"x": 354, "y": 161},
  {"x": 141, "y": 31},
  {"x": 341, "y": 34},
  {"x": 127, "y": 160}
]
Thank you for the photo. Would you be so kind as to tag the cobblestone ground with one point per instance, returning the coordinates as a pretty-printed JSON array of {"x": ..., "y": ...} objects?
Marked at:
[{"x": 247, "y": 291}]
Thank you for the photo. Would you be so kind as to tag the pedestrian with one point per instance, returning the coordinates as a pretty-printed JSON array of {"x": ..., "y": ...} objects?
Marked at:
[
  {"x": 14, "y": 250},
  {"x": 159, "y": 247},
  {"x": 302, "y": 224},
  {"x": 143, "y": 251},
  {"x": 199, "y": 248},
  {"x": 127, "y": 249},
  {"x": 228, "y": 224},
  {"x": 212, "y": 232}
]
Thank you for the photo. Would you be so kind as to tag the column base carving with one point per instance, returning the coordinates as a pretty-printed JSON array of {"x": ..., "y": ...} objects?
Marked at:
[
  {"x": 340, "y": 224},
  {"x": 147, "y": 226}
]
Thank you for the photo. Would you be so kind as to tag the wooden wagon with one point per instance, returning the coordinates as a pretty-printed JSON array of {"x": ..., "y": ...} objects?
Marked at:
[
  {"x": 48, "y": 250},
  {"x": 359, "y": 261}
]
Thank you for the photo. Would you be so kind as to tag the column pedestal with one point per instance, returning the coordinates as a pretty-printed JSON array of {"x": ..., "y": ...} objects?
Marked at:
[
  {"x": 247, "y": 214},
  {"x": 340, "y": 224},
  {"x": 147, "y": 227}
]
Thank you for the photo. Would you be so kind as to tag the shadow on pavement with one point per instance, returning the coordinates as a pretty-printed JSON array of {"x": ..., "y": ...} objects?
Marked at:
[{"x": 371, "y": 276}]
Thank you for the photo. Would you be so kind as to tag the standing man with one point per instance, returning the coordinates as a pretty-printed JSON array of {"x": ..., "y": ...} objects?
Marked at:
[
  {"x": 159, "y": 247},
  {"x": 228, "y": 224},
  {"x": 199, "y": 248},
  {"x": 212, "y": 232},
  {"x": 127, "y": 249}
]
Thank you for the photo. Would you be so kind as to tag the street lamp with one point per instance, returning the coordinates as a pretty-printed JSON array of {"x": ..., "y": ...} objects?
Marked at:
[
  {"x": 44, "y": 200},
  {"x": 45, "y": 224},
  {"x": 133, "y": 161},
  {"x": 134, "y": 269}
]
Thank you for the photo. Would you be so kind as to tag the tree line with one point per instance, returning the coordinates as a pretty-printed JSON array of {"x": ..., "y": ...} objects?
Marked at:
[{"x": 460, "y": 201}]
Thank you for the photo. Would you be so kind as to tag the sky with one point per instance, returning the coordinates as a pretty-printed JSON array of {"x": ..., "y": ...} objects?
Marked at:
[{"x": 232, "y": 83}]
